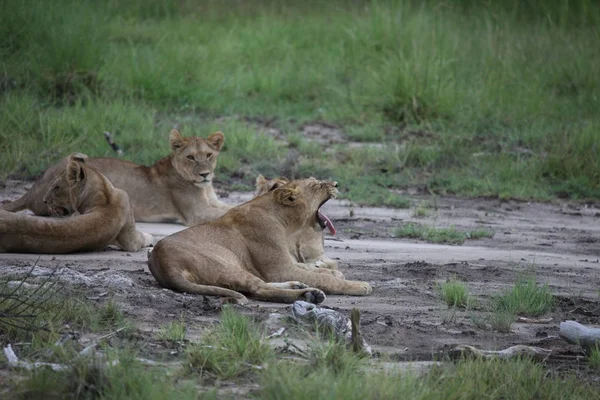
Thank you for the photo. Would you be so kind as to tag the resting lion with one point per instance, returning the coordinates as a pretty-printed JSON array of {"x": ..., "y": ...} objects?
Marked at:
[
  {"x": 104, "y": 217},
  {"x": 177, "y": 188},
  {"x": 246, "y": 251},
  {"x": 306, "y": 246}
]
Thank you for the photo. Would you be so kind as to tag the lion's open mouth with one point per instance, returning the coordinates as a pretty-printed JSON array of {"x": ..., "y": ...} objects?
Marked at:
[{"x": 325, "y": 222}]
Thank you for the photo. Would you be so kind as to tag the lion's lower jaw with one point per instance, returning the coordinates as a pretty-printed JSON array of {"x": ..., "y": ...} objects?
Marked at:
[{"x": 203, "y": 185}]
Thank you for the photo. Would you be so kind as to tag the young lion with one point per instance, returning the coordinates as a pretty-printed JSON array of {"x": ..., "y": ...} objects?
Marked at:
[
  {"x": 246, "y": 251},
  {"x": 105, "y": 217},
  {"x": 306, "y": 246},
  {"x": 177, "y": 188}
]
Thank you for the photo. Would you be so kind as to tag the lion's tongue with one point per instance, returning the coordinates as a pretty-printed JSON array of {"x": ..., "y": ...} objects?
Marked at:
[{"x": 327, "y": 222}]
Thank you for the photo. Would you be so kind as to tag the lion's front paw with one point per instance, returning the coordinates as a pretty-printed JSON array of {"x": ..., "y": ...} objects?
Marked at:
[
  {"x": 147, "y": 239},
  {"x": 297, "y": 285},
  {"x": 366, "y": 287},
  {"x": 357, "y": 288},
  {"x": 314, "y": 296},
  {"x": 326, "y": 263}
]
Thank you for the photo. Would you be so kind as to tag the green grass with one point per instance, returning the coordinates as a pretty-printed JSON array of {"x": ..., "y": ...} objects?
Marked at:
[
  {"x": 173, "y": 332},
  {"x": 594, "y": 358},
  {"x": 498, "y": 99},
  {"x": 231, "y": 349},
  {"x": 120, "y": 376},
  {"x": 501, "y": 320},
  {"x": 439, "y": 235},
  {"x": 37, "y": 315},
  {"x": 467, "y": 379},
  {"x": 526, "y": 297},
  {"x": 455, "y": 293}
]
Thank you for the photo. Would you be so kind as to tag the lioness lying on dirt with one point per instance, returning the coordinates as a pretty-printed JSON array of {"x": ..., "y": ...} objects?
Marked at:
[
  {"x": 177, "y": 188},
  {"x": 105, "y": 217},
  {"x": 247, "y": 251},
  {"x": 306, "y": 246}
]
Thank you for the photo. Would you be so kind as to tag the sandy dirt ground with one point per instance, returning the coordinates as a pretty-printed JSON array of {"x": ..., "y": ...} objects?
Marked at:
[{"x": 404, "y": 318}]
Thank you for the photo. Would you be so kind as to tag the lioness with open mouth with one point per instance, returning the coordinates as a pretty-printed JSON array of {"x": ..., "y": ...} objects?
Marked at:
[
  {"x": 177, "y": 188},
  {"x": 104, "y": 217},
  {"x": 306, "y": 246},
  {"x": 246, "y": 251}
]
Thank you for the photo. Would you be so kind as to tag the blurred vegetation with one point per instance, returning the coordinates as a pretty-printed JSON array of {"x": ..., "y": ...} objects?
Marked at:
[{"x": 477, "y": 98}]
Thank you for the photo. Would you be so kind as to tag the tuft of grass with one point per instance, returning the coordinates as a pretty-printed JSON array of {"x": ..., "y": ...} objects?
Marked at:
[
  {"x": 526, "y": 297},
  {"x": 455, "y": 293},
  {"x": 594, "y": 358},
  {"x": 479, "y": 234},
  {"x": 333, "y": 355},
  {"x": 439, "y": 235},
  {"x": 421, "y": 211},
  {"x": 430, "y": 234},
  {"x": 501, "y": 321},
  {"x": 173, "y": 332},
  {"x": 231, "y": 349}
]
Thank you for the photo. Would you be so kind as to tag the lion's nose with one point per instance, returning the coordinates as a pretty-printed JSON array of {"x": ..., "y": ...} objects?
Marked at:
[{"x": 204, "y": 174}]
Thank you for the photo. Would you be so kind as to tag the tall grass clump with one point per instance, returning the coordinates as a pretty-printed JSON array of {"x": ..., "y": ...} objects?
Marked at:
[
  {"x": 454, "y": 293},
  {"x": 233, "y": 348},
  {"x": 526, "y": 297}
]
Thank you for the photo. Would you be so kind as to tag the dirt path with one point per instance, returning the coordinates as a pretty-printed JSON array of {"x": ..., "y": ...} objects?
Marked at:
[{"x": 404, "y": 317}]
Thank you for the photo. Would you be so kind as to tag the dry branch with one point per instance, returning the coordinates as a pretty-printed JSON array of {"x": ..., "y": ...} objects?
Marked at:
[{"x": 536, "y": 353}]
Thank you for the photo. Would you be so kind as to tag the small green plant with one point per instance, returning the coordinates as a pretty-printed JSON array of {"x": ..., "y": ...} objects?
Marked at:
[
  {"x": 479, "y": 234},
  {"x": 430, "y": 234},
  {"x": 333, "y": 355},
  {"x": 501, "y": 321},
  {"x": 421, "y": 211},
  {"x": 231, "y": 349},
  {"x": 526, "y": 297},
  {"x": 594, "y": 358},
  {"x": 110, "y": 315},
  {"x": 455, "y": 293},
  {"x": 439, "y": 235},
  {"x": 173, "y": 332}
]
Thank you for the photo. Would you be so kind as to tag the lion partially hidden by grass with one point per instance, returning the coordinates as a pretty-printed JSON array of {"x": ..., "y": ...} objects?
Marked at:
[
  {"x": 104, "y": 216},
  {"x": 246, "y": 251}
]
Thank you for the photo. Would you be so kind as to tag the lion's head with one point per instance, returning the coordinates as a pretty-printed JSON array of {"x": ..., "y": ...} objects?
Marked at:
[
  {"x": 195, "y": 158},
  {"x": 61, "y": 198},
  {"x": 264, "y": 185},
  {"x": 308, "y": 195}
]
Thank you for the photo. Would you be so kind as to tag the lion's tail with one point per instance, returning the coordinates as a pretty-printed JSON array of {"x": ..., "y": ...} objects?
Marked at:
[{"x": 183, "y": 285}]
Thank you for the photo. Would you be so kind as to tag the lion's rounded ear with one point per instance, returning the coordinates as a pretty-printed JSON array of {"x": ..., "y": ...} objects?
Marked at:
[
  {"x": 177, "y": 141},
  {"x": 260, "y": 180},
  {"x": 286, "y": 196},
  {"x": 75, "y": 173},
  {"x": 80, "y": 157},
  {"x": 216, "y": 140}
]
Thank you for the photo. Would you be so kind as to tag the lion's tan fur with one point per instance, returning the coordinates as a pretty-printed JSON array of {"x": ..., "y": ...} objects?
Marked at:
[
  {"x": 246, "y": 251},
  {"x": 177, "y": 188},
  {"x": 104, "y": 217}
]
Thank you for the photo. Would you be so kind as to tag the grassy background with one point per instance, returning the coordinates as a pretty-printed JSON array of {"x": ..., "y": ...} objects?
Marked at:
[{"x": 467, "y": 97}]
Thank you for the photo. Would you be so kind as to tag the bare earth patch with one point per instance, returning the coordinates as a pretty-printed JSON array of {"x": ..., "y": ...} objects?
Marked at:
[{"x": 405, "y": 316}]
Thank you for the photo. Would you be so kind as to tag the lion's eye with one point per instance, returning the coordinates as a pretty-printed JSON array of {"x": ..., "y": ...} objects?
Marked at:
[
  {"x": 209, "y": 156},
  {"x": 55, "y": 188},
  {"x": 191, "y": 158}
]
